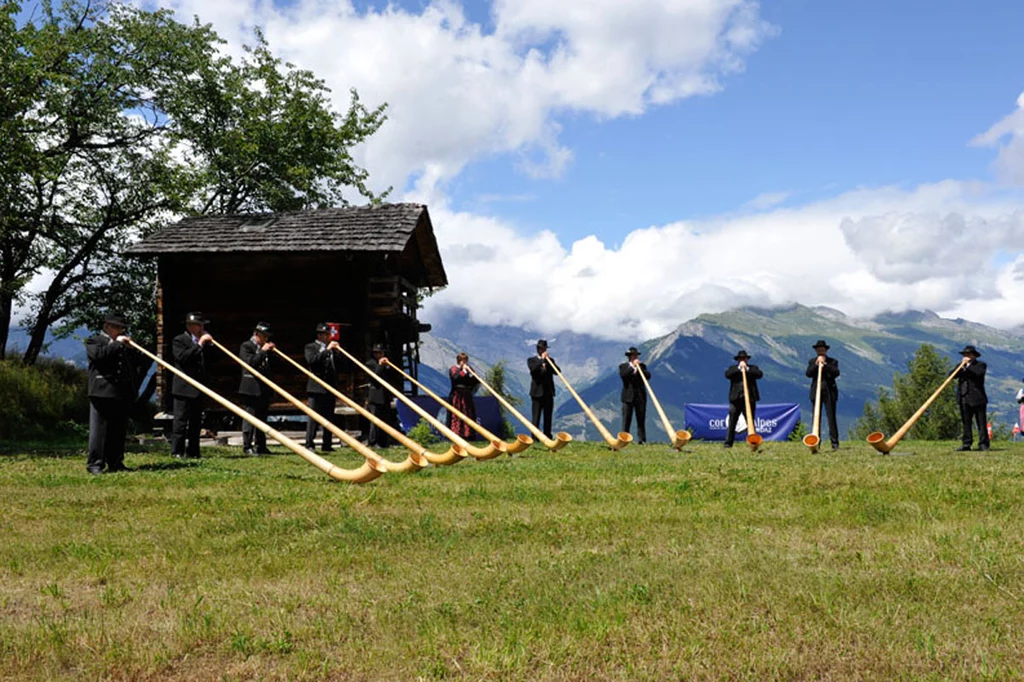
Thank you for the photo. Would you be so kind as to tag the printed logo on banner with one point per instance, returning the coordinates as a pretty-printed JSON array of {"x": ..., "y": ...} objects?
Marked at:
[{"x": 773, "y": 421}]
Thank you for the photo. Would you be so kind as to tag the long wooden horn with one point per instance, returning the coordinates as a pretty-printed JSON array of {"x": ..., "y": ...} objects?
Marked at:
[
  {"x": 306, "y": 409},
  {"x": 417, "y": 457},
  {"x": 813, "y": 439},
  {"x": 367, "y": 471},
  {"x": 677, "y": 438},
  {"x": 623, "y": 439},
  {"x": 488, "y": 452},
  {"x": 877, "y": 439},
  {"x": 521, "y": 443},
  {"x": 561, "y": 438},
  {"x": 753, "y": 439}
]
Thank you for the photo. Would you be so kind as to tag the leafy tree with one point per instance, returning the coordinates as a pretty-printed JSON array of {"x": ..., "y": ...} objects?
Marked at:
[
  {"x": 495, "y": 378},
  {"x": 120, "y": 120},
  {"x": 926, "y": 372}
]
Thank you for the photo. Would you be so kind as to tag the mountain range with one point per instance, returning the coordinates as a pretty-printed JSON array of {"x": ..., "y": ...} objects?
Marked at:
[{"x": 688, "y": 364}]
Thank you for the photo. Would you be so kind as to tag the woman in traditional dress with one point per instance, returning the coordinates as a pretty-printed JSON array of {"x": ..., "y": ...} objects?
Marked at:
[{"x": 461, "y": 397}]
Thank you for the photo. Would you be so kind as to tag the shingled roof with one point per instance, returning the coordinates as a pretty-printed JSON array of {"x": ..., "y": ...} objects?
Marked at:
[{"x": 386, "y": 228}]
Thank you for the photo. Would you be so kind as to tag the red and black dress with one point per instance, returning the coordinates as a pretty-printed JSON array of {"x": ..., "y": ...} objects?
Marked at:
[{"x": 461, "y": 397}]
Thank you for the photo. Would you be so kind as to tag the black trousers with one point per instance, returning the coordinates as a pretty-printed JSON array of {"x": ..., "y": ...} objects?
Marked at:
[
  {"x": 543, "y": 408},
  {"x": 108, "y": 425},
  {"x": 640, "y": 407},
  {"x": 383, "y": 411},
  {"x": 971, "y": 415},
  {"x": 259, "y": 407},
  {"x": 829, "y": 409},
  {"x": 736, "y": 408},
  {"x": 188, "y": 422},
  {"x": 323, "y": 405}
]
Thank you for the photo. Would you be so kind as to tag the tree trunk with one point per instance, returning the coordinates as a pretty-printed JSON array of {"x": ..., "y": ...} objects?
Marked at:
[{"x": 6, "y": 310}]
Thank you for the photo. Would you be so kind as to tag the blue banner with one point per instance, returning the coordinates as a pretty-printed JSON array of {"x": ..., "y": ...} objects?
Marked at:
[
  {"x": 772, "y": 421},
  {"x": 488, "y": 413}
]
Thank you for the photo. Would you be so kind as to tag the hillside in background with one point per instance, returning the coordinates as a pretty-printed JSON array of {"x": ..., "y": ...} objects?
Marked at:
[{"x": 688, "y": 364}]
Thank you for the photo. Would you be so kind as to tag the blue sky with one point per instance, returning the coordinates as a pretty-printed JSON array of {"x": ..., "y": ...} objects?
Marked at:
[{"x": 619, "y": 168}]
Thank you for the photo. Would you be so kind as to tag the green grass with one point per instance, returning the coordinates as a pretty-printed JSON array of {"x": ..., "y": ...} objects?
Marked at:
[{"x": 580, "y": 565}]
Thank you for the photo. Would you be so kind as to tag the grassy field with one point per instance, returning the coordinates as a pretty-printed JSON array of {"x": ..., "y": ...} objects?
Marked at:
[{"x": 581, "y": 565}]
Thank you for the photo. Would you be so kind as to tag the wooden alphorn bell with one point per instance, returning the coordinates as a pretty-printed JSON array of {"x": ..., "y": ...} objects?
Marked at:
[
  {"x": 521, "y": 443},
  {"x": 417, "y": 458},
  {"x": 877, "y": 439},
  {"x": 614, "y": 443},
  {"x": 492, "y": 450},
  {"x": 343, "y": 436},
  {"x": 561, "y": 438},
  {"x": 677, "y": 438},
  {"x": 753, "y": 439},
  {"x": 367, "y": 471},
  {"x": 813, "y": 439}
]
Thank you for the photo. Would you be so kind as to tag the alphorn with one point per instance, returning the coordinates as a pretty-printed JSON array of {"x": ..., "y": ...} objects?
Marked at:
[
  {"x": 623, "y": 439},
  {"x": 367, "y": 471},
  {"x": 677, "y": 438},
  {"x": 303, "y": 407},
  {"x": 492, "y": 450},
  {"x": 416, "y": 459},
  {"x": 877, "y": 439},
  {"x": 521, "y": 443},
  {"x": 753, "y": 439},
  {"x": 555, "y": 444},
  {"x": 813, "y": 439}
]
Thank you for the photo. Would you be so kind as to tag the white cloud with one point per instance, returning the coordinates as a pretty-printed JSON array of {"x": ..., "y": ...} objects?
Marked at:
[
  {"x": 1010, "y": 162},
  {"x": 863, "y": 252},
  {"x": 457, "y": 93}
]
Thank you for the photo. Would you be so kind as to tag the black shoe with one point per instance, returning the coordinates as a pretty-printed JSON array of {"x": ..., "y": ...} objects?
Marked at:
[
  {"x": 178, "y": 455},
  {"x": 248, "y": 451},
  {"x": 118, "y": 467},
  {"x": 95, "y": 471},
  {"x": 264, "y": 451},
  {"x": 309, "y": 446},
  {"x": 963, "y": 448},
  {"x": 983, "y": 448},
  {"x": 835, "y": 446},
  {"x": 726, "y": 445}
]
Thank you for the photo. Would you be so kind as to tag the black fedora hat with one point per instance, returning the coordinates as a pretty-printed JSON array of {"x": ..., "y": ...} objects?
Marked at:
[
  {"x": 323, "y": 328},
  {"x": 821, "y": 344},
  {"x": 970, "y": 350},
  {"x": 741, "y": 355},
  {"x": 195, "y": 317},
  {"x": 263, "y": 328},
  {"x": 379, "y": 348},
  {"x": 115, "y": 319},
  {"x": 542, "y": 343},
  {"x": 632, "y": 351}
]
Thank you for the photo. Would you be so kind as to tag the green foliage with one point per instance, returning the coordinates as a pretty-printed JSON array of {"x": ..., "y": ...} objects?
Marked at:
[
  {"x": 116, "y": 120},
  {"x": 45, "y": 400},
  {"x": 926, "y": 372},
  {"x": 495, "y": 378},
  {"x": 423, "y": 434},
  {"x": 798, "y": 432}
]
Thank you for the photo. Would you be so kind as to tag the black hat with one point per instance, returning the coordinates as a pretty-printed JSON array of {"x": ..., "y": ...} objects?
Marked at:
[
  {"x": 821, "y": 344},
  {"x": 741, "y": 355},
  {"x": 115, "y": 319},
  {"x": 632, "y": 351},
  {"x": 262, "y": 328},
  {"x": 542, "y": 343},
  {"x": 378, "y": 348},
  {"x": 970, "y": 350},
  {"x": 195, "y": 318},
  {"x": 323, "y": 328}
]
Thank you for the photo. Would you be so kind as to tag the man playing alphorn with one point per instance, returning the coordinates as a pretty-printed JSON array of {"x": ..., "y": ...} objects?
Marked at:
[
  {"x": 829, "y": 390},
  {"x": 734, "y": 373}
]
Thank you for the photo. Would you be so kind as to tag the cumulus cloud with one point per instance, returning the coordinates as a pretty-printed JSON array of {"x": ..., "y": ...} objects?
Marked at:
[
  {"x": 862, "y": 252},
  {"x": 457, "y": 92}
]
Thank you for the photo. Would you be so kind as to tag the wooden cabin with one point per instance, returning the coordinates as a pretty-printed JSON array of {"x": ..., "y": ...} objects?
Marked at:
[{"x": 361, "y": 267}]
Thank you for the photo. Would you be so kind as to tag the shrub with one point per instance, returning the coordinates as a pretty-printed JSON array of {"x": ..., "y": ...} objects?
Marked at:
[
  {"x": 48, "y": 398},
  {"x": 423, "y": 434}
]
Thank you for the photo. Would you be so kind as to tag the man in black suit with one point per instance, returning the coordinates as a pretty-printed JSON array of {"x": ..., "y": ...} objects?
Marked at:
[
  {"x": 971, "y": 396},
  {"x": 320, "y": 360},
  {"x": 255, "y": 352},
  {"x": 829, "y": 390},
  {"x": 188, "y": 351},
  {"x": 634, "y": 394},
  {"x": 112, "y": 388},
  {"x": 542, "y": 386},
  {"x": 380, "y": 399},
  {"x": 734, "y": 373}
]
